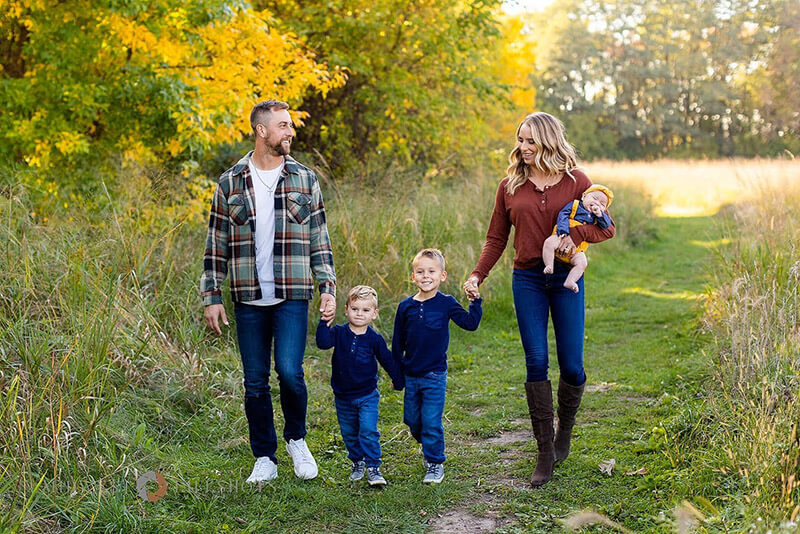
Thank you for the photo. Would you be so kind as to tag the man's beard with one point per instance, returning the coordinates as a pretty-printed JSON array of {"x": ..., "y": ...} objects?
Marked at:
[{"x": 281, "y": 150}]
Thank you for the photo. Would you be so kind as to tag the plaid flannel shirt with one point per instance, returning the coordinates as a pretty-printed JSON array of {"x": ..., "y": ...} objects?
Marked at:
[{"x": 302, "y": 246}]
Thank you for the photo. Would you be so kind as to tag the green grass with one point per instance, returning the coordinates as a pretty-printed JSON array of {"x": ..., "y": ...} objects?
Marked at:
[{"x": 109, "y": 373}]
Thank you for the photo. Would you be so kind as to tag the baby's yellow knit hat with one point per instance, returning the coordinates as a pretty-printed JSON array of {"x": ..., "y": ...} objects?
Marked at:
[{"x": 603, "y": 189}]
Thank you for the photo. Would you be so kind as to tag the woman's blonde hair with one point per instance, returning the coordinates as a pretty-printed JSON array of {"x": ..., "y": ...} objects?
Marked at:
[{"x": 554, "y": 155}]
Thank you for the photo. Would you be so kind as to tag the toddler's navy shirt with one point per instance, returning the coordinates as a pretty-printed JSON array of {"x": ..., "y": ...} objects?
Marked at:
[{"x": 354, "y": 368}]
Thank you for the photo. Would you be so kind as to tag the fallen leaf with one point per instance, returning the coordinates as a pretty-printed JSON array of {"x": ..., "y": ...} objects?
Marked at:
[
  {"x": 642, "y": 471},
  {"x": 423, "y": 513},
  {"x": 607, "y": 466},
  {"x": 241, "y": 521}
]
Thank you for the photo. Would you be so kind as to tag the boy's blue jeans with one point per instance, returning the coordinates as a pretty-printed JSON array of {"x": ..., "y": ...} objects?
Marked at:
[
  {"x": 537, "y": 295},
  {"x": 257, "y": 327},
  {"x": 358, "y": 421},
  {"x": 423, "y": 406}
]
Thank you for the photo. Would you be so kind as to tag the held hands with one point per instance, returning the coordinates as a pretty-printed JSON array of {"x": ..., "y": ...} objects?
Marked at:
[
  {"x": 327, "y": 308},
  {"x": 471, "y": 288},
  {"x": 213, "y": 314}
]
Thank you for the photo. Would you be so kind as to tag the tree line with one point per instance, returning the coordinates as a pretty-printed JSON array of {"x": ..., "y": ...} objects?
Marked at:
[
  {"x": 379, "y": 83},
  {"x": 680, "y": 78}
]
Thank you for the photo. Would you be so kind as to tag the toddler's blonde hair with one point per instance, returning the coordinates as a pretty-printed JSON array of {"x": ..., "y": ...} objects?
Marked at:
[{"x": 362, "y": 293}]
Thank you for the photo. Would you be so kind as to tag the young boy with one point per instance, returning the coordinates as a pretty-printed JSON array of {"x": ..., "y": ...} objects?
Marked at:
[
  {"x": 354, "y": 379},
  {"x": 419, "y": 345},
  {"x": 590, "y": 209}
]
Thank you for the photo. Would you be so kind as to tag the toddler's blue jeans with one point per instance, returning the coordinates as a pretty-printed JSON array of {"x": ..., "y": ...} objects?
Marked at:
[
  {"x": 358, "y": 421},
  {"x": 423, "y": 406},
  {"x": 537, "y": 295}
]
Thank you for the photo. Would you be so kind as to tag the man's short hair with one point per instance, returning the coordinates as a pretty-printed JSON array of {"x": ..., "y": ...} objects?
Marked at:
[
  {"x": 432, "y": 253},
  {"x": 262, "y": 110},
  {"x": 362, "y": 293}
]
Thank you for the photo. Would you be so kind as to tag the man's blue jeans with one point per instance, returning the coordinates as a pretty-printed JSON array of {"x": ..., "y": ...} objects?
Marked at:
[
  {"x": 257, "y": 328},
  {"x": 358, "y": 421},
  {"x": 423, "y": 406},
  {"x": 537, "y": 295}
]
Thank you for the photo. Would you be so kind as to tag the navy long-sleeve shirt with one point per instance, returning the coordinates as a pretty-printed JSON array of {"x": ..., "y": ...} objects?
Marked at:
[
  {"x": 422, "y": 331},
  {"x": 354, "y": 368}
]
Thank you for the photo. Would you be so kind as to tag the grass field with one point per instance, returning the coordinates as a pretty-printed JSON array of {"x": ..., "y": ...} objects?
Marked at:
[
  {"x": 108, "y": 372},
  {"x": 693, "y": 188}
]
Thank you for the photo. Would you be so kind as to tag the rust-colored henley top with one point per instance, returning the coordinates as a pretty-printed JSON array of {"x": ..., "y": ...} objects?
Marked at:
[{"x": 533, "y": 212}]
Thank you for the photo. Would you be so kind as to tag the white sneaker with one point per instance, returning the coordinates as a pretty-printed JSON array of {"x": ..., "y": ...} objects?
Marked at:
[
  {"x": 304, "y": 465},
  {"x": 264, "y": 470}
]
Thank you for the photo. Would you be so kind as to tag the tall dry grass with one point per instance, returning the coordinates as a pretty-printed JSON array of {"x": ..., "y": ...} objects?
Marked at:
[{"x": 754, "y": 314}]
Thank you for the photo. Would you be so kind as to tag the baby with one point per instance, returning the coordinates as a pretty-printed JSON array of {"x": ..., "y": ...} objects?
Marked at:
[{"x": 590, "y": 209}]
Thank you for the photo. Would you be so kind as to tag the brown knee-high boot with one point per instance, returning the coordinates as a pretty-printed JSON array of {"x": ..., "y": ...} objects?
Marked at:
[
  {"x": 540, "y": 406},
  {"x": 569, "y": 399}
]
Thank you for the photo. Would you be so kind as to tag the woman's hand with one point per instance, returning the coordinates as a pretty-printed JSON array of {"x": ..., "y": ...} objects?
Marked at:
[
  {"x": 471, "y": 288},
  {"x": 566, "y": 245}
]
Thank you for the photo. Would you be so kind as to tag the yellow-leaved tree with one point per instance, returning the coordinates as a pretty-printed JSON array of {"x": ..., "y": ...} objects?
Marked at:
[
  {"x": 515, "y": 67},
  {"x": 81, "y": 78}
]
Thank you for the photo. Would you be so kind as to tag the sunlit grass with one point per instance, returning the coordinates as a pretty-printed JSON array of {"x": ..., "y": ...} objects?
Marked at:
[
  {"x": 683, "y": 188},
  {"x": 680, "y": 295}
]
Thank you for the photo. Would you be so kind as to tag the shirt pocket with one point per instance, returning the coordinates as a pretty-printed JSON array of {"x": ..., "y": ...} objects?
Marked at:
[
  {"x": 237, "y": 209},
  {"x": 298, "y": 206},
  {"x": 434, "y": 320}
]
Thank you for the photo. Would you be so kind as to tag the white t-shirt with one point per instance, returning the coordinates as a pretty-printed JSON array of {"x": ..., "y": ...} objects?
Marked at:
[{"x": 264, "y": 183}]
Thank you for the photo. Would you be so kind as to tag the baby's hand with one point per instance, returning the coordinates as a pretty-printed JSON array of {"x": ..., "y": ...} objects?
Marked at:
[
  {"x": 473, "y": 295},
  {"x": 597, "y": 210}
]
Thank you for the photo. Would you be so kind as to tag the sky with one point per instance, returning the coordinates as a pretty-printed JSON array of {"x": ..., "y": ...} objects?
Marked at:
[{"x": 517, "y": 6}]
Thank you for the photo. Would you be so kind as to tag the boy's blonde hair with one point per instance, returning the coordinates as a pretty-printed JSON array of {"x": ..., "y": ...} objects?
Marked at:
[
  {"x": 362, "y": 293},
  {"x": 432, "y": 253}
]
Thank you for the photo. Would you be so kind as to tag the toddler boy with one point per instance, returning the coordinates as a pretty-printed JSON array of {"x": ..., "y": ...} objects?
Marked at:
[
  {"x": 419, "y": 345},
  {"x": 354, "y": 379},
  {"x": 590, "y": 209}
]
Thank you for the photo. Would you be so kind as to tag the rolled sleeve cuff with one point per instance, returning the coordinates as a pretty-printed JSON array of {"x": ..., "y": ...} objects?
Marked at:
[
  {"x": 212, "y": 298},
  {"x": 327, "y": 287}
]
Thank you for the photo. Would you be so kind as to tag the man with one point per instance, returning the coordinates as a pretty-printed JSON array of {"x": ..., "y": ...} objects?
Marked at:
[{"x": 267, "y": 228}]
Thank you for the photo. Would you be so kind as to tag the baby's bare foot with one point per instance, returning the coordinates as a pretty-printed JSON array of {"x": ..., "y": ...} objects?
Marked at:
[
  {"x": 572, "y": 285},
  {"x": 548, "y": 269}
]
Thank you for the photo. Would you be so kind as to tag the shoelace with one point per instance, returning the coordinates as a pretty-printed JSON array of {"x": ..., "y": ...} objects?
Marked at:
[
  {"x": 432, "y": 469},
  {"x": 305, "y": 454}
]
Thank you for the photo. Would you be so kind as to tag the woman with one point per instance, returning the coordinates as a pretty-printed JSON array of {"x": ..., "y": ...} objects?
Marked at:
[{"x": 541, "y": 178}]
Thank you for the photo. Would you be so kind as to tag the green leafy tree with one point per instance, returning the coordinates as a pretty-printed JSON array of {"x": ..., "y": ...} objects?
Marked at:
[{"x": 420, "y": 85}]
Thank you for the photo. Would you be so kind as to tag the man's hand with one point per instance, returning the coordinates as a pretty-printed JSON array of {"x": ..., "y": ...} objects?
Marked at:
[
  {"x": 213, "y": 314},
  {"x": 327, "y": 307},
  {"x": 566, "y": 245}
]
